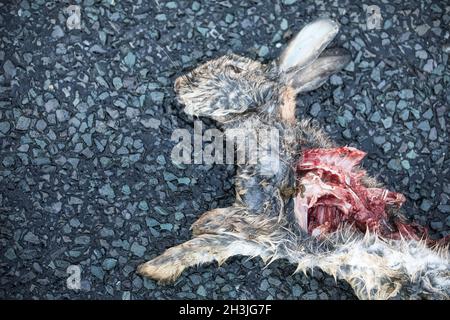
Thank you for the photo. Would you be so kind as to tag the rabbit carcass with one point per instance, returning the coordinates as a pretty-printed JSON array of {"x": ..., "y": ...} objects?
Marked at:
[{"x": 318, "y": 209}]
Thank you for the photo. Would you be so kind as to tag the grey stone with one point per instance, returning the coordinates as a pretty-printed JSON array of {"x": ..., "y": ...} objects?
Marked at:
[
  {"x": 179, "y": 215},
  {"x": 62, "y": 115},
  {"x": 404, "y": 115},
  {"x": 51, "y": 105},
  {"x": 31, "y": 237},
  {"x": 405, "y": 164},
  {"x": 311, "y": 295},
  {"x": 406, "y": 94},
  {"x": 9, "y": 69},
  {"x": 422, "y": 29},
  {"x": 4, "y": 127},
  {"x": 201, "y": 291},
  {"x": 161, "y": 160},
  {"x": 436, "y": 225},
  {"x": 375, "y": 75},
  {"x": 263, "y": 51},
  {"x": 169, "y": 176},
  {"x": 429, "y": 66},
  {"x": 157, "y": 96},
  {"x": 57, "y": 32},
  {"x": 402, "y": 104},
  {"x": 171, "y": 5},
  {"x": 428, "y": 114},
  {"x": 421, "y": 54},
  {"x": 229, "y": 18},
  {"x": 195, "y": 6},
  {"x": 117, "y": 82},
  {"x": 143, "y": 205},
  {"x": 97, "y": 272},
  {"x": 74, "y": 200},
  {"x": 336, "y": 80},
  {"x": 130, "y": 59},
  {"x": 390, "y": 106},
  {"x": 161, "y": 211},
  {"x": 161, "y": 17},
  {"x": 75, "y": 222},
  {"x": 387, "y": 122},
  {"x": 347, "y": 134},
  {"x": 126, "y": 190},
  {"x": 376, "y": 117},
  {"x": 109, "y": 264},
  {"x": 137, "y": 249},
  {"x": 394, "y": 164},
  {"x": 425, "y": 205},
  {"x": 107, "y": 191},
  {"x": 23, "y": 123},
  {"x": 411, "y": 155},
  {"x": 196, "y": 279},
  {"x": 41, "y": 125},
  {"x": 315, "y": 109},
  {"x": 10, "y": 254},
  {"x": 424, "y": 125},
  {"x": 274, "y": 281},
  {"x": 433, "y": 134},
  {"x": 166, "y": 226},
  {"x": 185, "y": 181},
  {"x": 83, "y": 240},
  {"x": 297, "y": 291},
  {"x": 151, "y": 123},
  {"x": 379, "y": 140},
  {"x": 264, "y": 285}
]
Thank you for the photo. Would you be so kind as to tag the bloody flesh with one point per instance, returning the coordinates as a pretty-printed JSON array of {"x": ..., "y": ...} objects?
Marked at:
[{"x": 332, "y": 193}]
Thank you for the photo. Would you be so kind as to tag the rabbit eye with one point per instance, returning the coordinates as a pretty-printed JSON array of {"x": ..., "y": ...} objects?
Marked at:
[{"x": 234, "y": 69}]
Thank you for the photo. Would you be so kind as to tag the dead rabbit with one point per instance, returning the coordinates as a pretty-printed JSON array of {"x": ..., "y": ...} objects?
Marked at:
[{"x": 318, "y": 209}]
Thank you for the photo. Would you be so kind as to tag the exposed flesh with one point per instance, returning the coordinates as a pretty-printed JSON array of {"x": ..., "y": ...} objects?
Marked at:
[{"x": 332, "y": 193}]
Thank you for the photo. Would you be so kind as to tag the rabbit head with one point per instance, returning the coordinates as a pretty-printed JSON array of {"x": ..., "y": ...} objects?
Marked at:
[{"x": 232, "y": 85}]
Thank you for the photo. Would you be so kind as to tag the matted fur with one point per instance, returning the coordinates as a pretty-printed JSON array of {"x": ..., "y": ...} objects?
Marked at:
[{"x": 242, "y": 93}]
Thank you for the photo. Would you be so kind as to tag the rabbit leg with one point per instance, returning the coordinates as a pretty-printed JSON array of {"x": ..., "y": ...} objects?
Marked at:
[
  {"x": 202, "y": 249},
  {"x": 216, "y": 220},
  {"x": 238, "y": 221}
]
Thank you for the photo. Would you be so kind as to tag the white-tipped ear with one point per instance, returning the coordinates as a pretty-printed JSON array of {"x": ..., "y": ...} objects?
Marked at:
[
  {"x": 316, "y": 73},
  {"x": 308, "y": 44}
]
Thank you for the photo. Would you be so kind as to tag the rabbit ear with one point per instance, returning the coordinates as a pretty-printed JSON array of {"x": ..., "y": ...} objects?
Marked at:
[
  {"x": 316, "y": 73},
  {"x": 308, "y": 44}
]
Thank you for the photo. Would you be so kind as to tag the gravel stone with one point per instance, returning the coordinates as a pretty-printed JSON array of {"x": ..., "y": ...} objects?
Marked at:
[
  {"x": 315, "y": 110},
  {"x": 151, "y": 123},
  {"x": 263, "y": 51},
  {"x": 425, "y": 205},
  {"x": 107, "y": 191},
  {"x": 57, "y": 32},
  {"x": 4, "y": 127},
  {"x": 201, "y": 291},
  {"x": 424, "y": 125},
  {"x": 9, "y": 69},
  {"x": 23, "y": 123},
  {"x": 137, "y": 249},
  {"x": 109, "y": 264}
]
